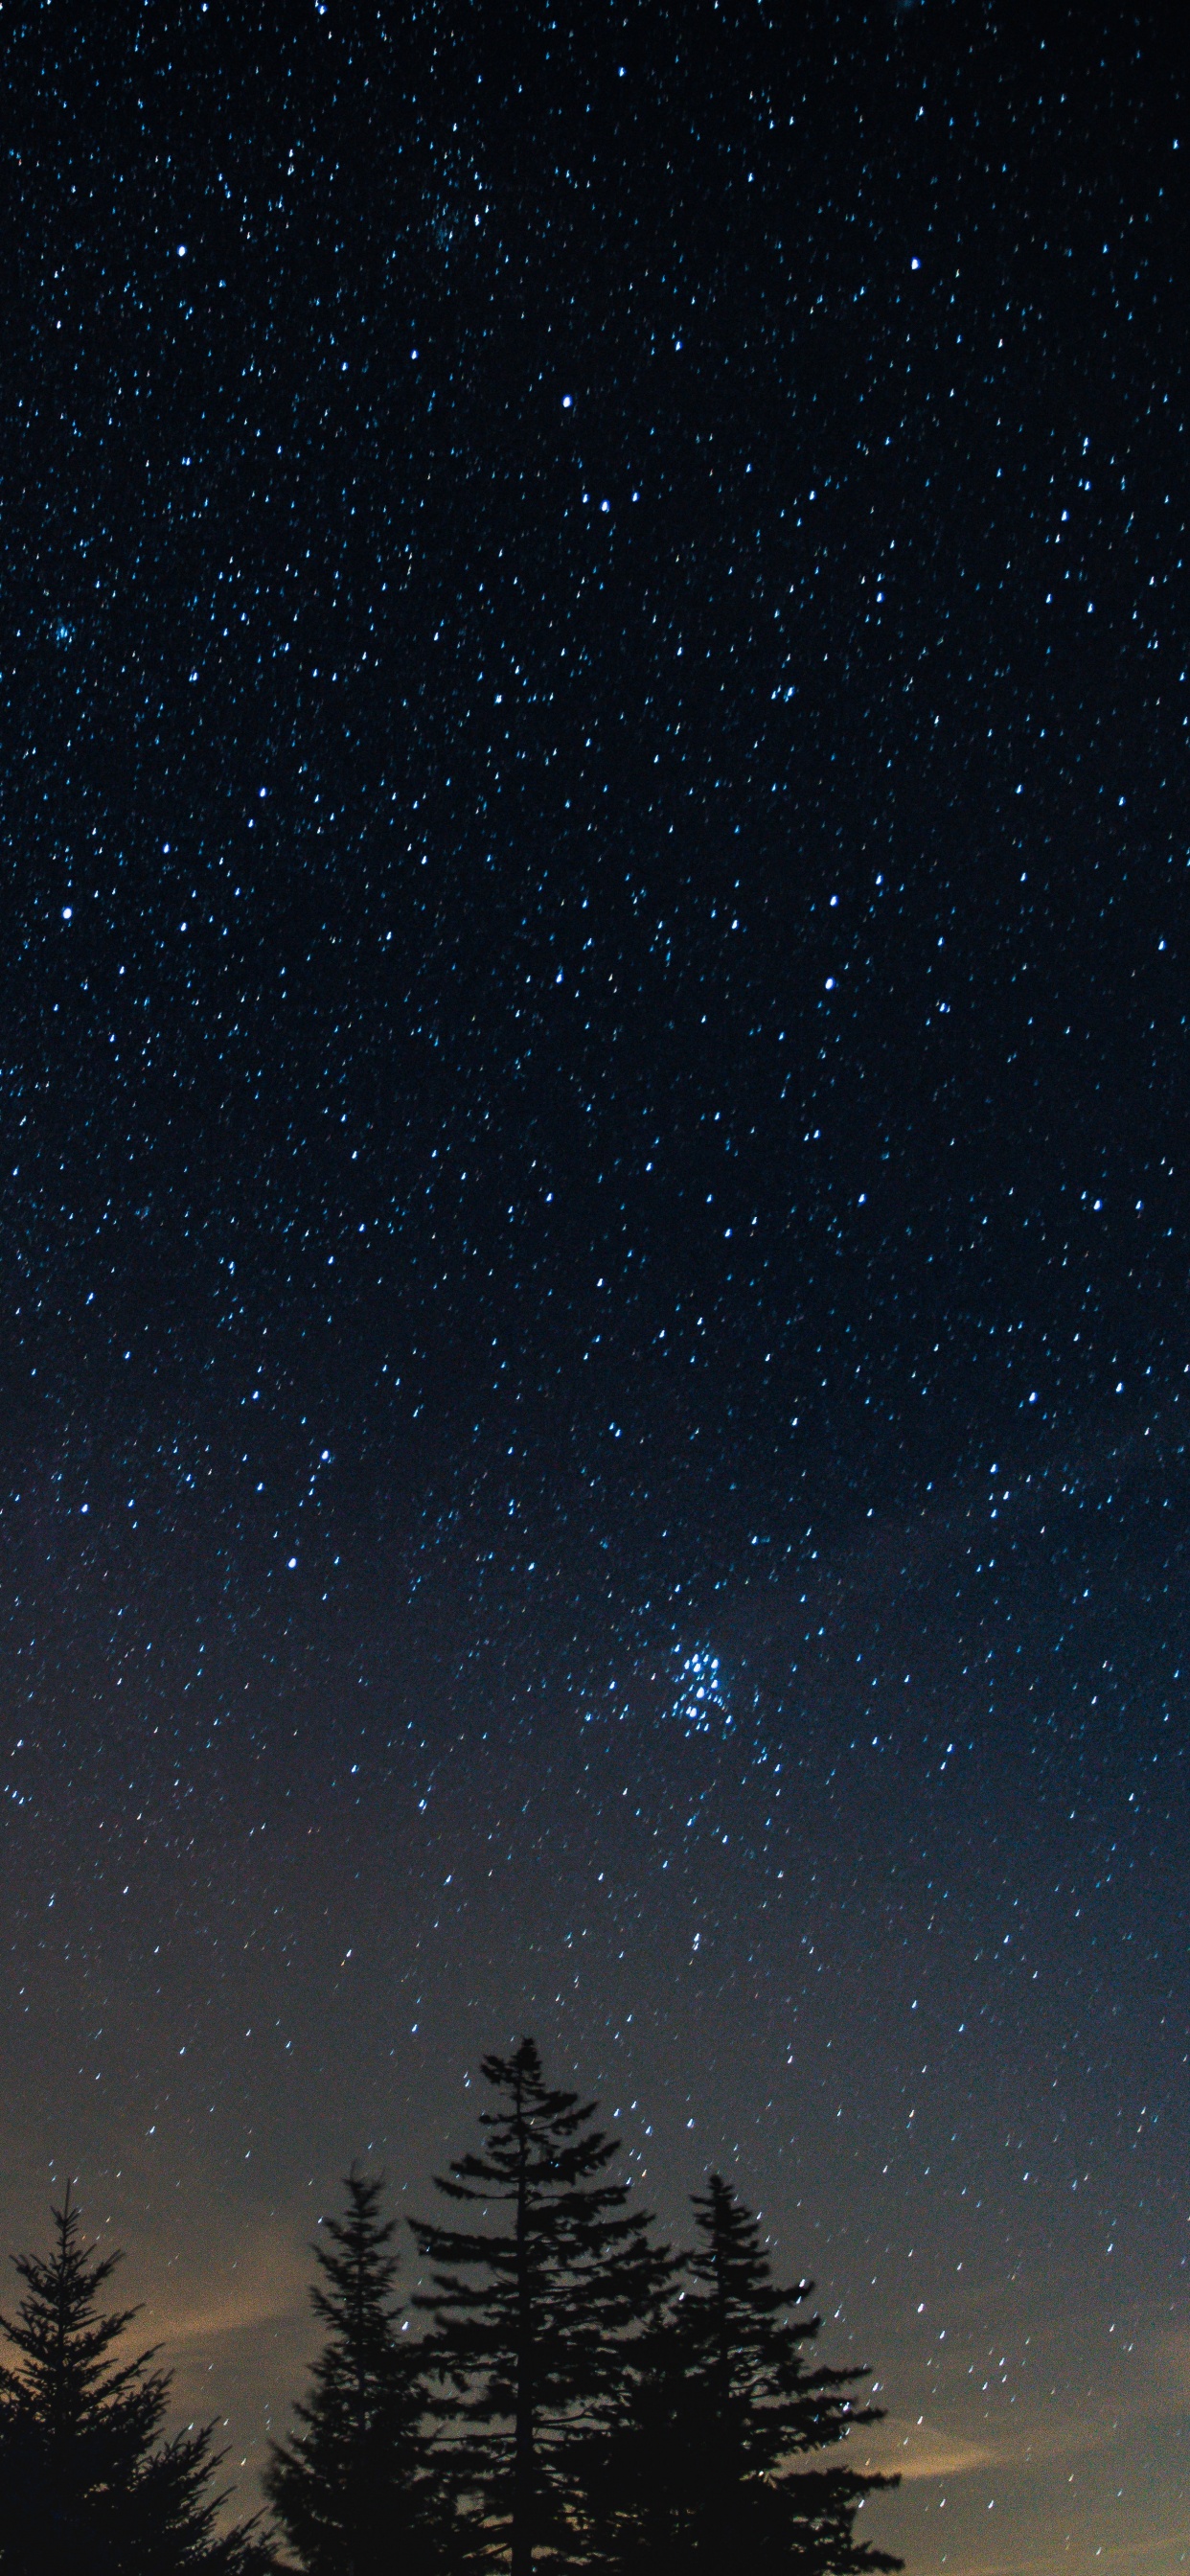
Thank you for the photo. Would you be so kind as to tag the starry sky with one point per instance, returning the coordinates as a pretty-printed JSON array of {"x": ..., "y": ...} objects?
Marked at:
[{"x": 596, "y": 1371}]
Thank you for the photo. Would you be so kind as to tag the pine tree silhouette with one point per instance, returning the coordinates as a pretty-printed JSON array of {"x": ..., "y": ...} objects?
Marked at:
[
  {"x": 642, "y": 2469},
  {"x": 759, "y": 2405},
  {"x": 528, "y": 2314},
  {"x": 701, "y": 2471},
  {"x": 354, "y": 2488},
  {"x": 87, "y": 2486}
]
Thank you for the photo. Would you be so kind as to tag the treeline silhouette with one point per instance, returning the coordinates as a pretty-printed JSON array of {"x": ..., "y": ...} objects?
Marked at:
[{"x": 574, "y": 2396}]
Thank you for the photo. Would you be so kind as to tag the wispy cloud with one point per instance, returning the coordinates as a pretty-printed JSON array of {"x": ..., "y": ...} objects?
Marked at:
[
  {"x": 928, "y": 2450},
  {"x": 265, "y": 2285}
]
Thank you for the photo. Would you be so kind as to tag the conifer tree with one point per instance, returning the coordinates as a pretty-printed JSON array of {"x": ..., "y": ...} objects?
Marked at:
[
  {"x": 642, "y": 2469},
  {"x": 528, "y": 2312},
  {"x": 702, "y": 2469},
  {"x": 760, "y": 2406},
  {"x": 87, "y": 2485},
  {"x": 354, "y": 2489}
]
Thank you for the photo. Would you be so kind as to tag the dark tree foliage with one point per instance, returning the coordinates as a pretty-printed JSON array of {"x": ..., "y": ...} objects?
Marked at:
[
  {"x": 769, "y": 2406},
  {"x": 582, "y": 2402},
  {"x": 354, "y": 2489},
  {"x": 529, "y": 2311},
  {"x": 719, "y": 2407},
  {"x": 87, "y": 2486},
  {"x": 641, "y": 2472}
]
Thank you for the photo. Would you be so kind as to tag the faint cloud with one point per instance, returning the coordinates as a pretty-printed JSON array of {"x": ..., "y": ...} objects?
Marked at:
[
  {"x": 268, "y": 2286},
  {"x": 923, "y": 2450},
  {"x": 913, "y": 2450}
]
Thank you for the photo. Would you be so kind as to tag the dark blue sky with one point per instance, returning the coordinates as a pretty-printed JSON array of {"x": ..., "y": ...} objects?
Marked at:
[{"x": 593, "y": 662}]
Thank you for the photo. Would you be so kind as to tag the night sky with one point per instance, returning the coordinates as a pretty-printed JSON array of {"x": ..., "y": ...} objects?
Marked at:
[{"x": 596, "y": 1371}]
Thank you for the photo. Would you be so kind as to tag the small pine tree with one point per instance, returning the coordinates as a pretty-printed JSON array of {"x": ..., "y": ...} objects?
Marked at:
[
  {"x": 86, "y": 2483},
  {"x": 528, "y": 2314},
  {"x": 353, "y": 2489},
  {"x": 758, "y": 2405},
  {"x": 700, "y": 2471}
]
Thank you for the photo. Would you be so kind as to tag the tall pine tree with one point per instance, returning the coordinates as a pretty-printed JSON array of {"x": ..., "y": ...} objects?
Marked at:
[
  {"x": 354, "y": 2489},
  {"x": 86, "y": 2482},
  {"x": 528, "y": 2311}
]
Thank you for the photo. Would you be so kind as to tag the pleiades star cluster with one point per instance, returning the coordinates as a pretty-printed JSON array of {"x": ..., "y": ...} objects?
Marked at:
[{"x": 596, "y": 1373}]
